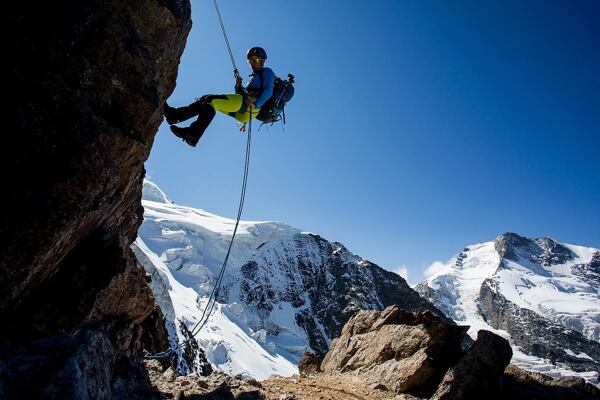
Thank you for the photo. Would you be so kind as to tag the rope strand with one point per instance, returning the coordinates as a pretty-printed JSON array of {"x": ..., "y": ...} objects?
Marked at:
[
  {"x": 215, "y": 291},
  {"x": 235, "y": 70},
  {"x": 213, "y": 295}
]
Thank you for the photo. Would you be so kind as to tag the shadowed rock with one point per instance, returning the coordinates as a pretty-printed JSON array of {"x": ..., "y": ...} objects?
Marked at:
[
  {"x": 479, "y": 372},
  {"x": 526, "y": 385},
  {"x": 84, "y": 90}
]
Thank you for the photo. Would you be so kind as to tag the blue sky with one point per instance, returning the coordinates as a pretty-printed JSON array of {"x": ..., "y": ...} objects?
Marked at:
[{"x": 417, "y": 128}]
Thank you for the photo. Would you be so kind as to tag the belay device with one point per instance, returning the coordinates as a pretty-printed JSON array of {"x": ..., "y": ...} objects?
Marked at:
[{"x": 274, "y": 109}]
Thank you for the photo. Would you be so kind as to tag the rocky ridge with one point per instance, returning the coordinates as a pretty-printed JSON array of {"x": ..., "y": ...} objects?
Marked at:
[
  {"x": 324, "y": 282},
  {"x": 364, "y": 363}
]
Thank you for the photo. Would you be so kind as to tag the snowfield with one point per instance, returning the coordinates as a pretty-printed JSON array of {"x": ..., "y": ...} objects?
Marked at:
[
  {"x": 187, "y": 247},
  {"x": 567, "y": 293}
]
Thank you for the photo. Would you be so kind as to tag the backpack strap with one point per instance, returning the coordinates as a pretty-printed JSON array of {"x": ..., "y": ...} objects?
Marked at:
[{"x": 262, "y": 81}]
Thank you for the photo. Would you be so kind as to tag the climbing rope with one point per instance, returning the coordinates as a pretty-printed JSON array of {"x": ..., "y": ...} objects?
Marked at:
[
  {"x": 215, "y": 291},
  {"x": 235, "y": 70}
]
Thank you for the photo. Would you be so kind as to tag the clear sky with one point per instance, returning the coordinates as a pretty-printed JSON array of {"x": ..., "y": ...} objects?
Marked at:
[{"x": 417, "y": 128}]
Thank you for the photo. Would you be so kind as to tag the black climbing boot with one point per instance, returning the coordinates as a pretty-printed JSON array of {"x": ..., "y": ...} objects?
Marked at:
[
  {"x": 171, "y": 114},
  {"x": 176, "y": 115},
  {"x": 205, "y": 117},
  {"x": 186, "y": 134},
  {"x": 194, "y": 132}
]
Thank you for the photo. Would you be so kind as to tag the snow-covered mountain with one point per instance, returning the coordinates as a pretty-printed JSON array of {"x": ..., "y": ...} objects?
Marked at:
[
  {"x": 542, "y": 295},
  {"x": 284, "y": 290}
]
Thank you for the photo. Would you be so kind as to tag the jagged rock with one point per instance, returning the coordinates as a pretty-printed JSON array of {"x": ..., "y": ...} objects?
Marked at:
[
  {"x": 193, "y": 358},
  {"x": 479, "y": 372},
  {"x": 309, "y": 364},
  {"x": 217, "y": 386},
  {"x": 535, "y": 334},
  {"x": 526, "y": 385},
  {"x": 401, "y": 350},
  {"x": 169, "y": 375},
  {"x": 324, "y": 281},
  {"x": 84, "y": 90}
]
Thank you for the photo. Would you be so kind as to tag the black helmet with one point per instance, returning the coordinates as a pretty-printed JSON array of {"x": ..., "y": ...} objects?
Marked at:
[{"x": 257, "y": 52}]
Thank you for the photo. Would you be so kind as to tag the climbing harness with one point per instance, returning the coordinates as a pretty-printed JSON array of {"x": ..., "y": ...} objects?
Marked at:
[{"x": 215, "y": 291}]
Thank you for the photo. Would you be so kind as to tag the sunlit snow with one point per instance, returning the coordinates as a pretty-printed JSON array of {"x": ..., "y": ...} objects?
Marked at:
[{"x": 556, "y": 292}]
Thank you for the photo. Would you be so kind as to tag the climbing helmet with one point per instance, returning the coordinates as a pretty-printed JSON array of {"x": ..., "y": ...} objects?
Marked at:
[{"x": 257, "y": 52}]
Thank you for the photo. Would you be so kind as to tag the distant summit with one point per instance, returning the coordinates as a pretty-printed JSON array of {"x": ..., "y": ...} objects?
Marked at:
[
  {"x": 152, "y": 192},
  {"x": 541, "y": 294}
]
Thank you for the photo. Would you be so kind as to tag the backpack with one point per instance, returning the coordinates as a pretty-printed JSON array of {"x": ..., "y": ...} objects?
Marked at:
[{"x": 274, "y": 108}]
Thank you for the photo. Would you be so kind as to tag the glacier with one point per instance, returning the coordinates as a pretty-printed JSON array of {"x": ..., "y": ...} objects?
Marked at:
[
  {"x": 284, "y": 291},
  {"x": 512, "y": 284}
]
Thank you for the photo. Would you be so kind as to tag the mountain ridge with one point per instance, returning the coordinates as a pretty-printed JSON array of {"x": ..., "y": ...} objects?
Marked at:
[
  {"x": 287, "y": 290},
  {"x": 539, "y": 293}
]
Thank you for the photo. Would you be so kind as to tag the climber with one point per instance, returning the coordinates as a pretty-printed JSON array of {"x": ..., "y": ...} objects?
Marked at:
[{"x": 246, "y": 100}]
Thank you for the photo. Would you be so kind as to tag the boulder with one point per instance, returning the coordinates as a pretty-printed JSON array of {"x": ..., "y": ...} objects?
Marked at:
[
  {"x": 479, "y": 372},
  {"x": 402, "y": 351},
  {"x": 309, "y": 364}
]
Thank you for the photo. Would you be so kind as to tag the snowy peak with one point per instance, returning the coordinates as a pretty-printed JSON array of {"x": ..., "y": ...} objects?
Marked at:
[
  {"x": 284, "y": 290},
  {"x": 151, "y": 192},
  {"x": 540, "y": 293}
]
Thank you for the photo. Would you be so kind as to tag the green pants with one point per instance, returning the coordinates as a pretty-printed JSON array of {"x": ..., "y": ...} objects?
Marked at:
[{"x": 233, "y": 105}]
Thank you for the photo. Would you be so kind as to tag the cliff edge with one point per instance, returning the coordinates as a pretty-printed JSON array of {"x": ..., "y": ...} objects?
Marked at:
[{"x": 84, "y": 91}]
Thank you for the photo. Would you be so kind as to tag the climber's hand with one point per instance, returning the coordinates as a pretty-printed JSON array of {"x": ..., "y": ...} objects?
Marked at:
[
  {"x": 250, "y": 104},
  {"x": 238, "y": 81}
]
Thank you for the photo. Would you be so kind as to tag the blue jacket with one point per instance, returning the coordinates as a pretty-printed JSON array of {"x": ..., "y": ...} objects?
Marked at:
[{"x": 267, "y": 86}]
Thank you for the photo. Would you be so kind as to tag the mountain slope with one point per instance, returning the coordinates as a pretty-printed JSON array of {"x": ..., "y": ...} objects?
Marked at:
[
  {"x": 541, "y": 294},
  {"x": 284, "y": 290}
]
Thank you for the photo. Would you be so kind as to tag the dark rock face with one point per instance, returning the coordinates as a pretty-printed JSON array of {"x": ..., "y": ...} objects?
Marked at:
[
  {"x": 400, "y": 350},
  {"x": 542, "y": 251},
  {"x": 326, "y": 283},
  {"x": 536, "y": 334},
  {"x": 525, "y": 385},
  {"x": 479, "y": 372},
  {"x": 84, "y": 92}
]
